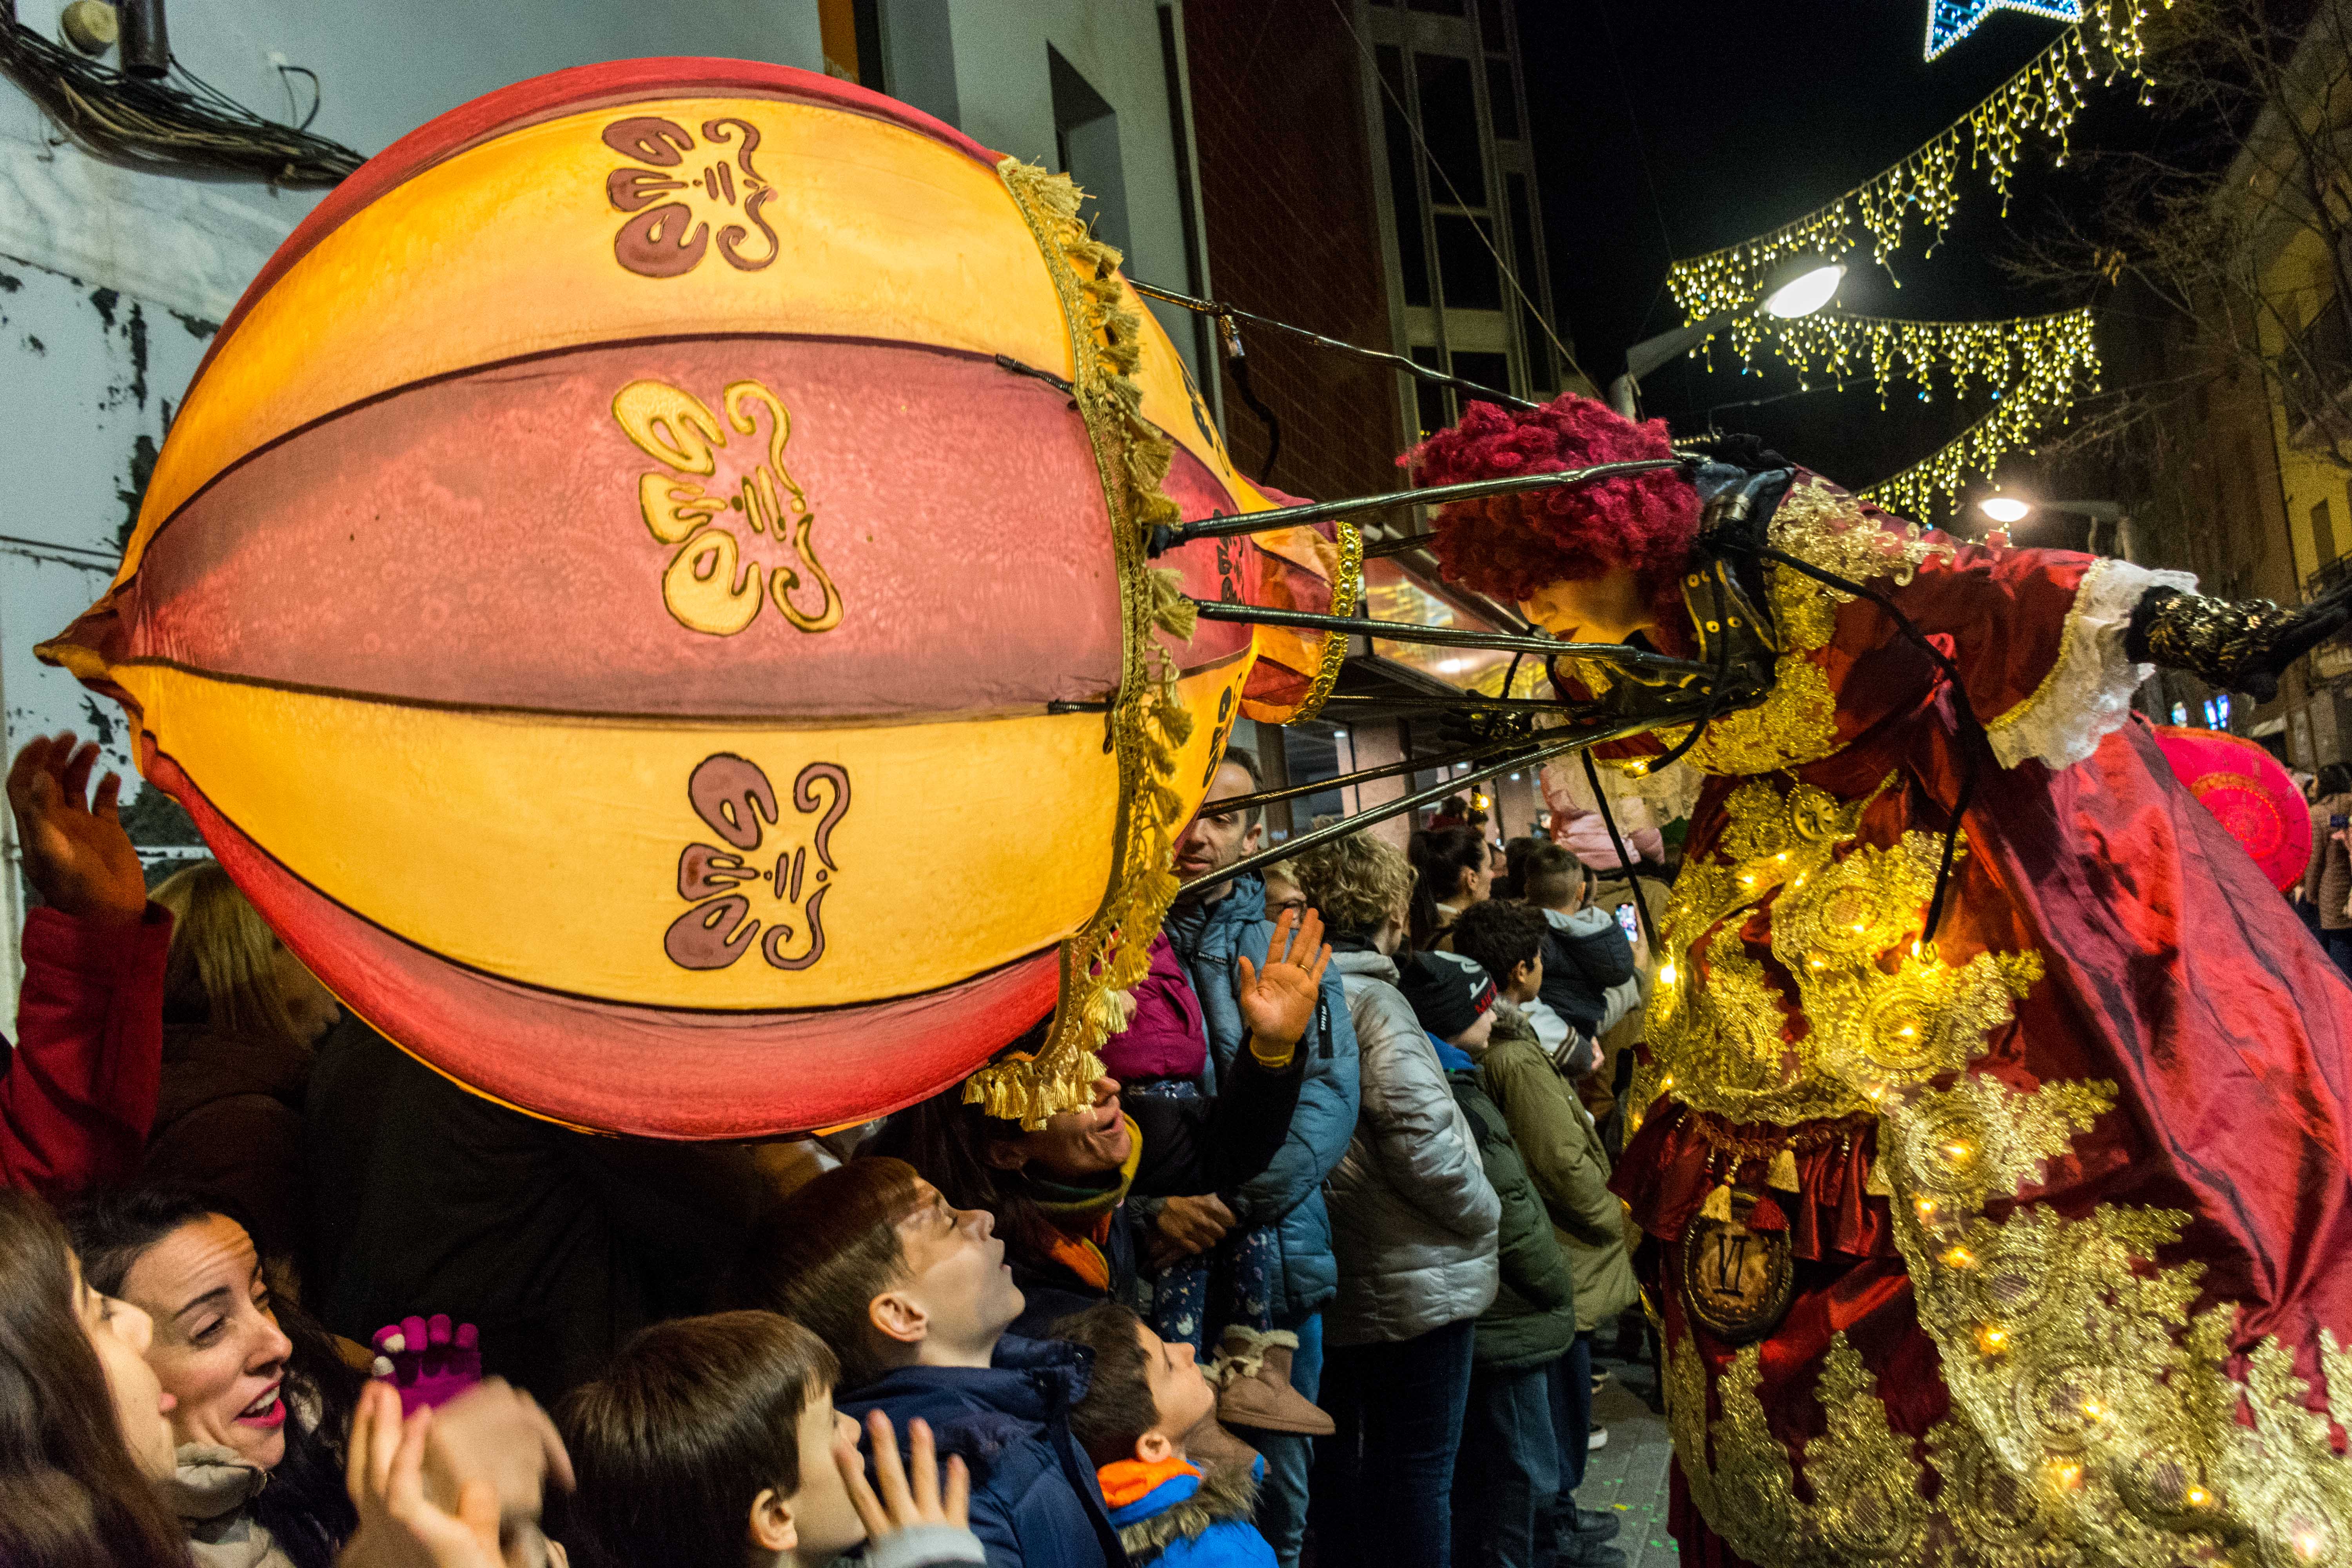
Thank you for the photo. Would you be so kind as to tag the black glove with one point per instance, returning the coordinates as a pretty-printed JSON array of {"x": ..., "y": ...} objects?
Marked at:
[{"x": 2242, "y": 644}]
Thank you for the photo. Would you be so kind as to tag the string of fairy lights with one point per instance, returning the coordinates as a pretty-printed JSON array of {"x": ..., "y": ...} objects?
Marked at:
[
  {"x": 2040, "y": 101},
  {"x": 2055, "y": 350},
  {"x": 2033, "y": 367},
  {"x": 2042, "y": 393}
]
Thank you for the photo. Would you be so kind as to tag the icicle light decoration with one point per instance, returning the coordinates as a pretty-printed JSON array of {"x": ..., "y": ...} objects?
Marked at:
[
  {"x": 2040, "y": 101},
  {"x": 2043, "y": 389}
]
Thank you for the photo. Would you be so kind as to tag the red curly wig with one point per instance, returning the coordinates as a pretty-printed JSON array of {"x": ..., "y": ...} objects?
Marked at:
[{"x": 1510, "y": 546}]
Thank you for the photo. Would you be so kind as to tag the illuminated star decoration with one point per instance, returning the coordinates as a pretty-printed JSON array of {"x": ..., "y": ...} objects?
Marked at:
[{"x": 1949, "y": 21}]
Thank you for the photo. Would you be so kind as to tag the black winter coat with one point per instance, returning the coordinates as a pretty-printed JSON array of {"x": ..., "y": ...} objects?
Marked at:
[{"x": 1581, "y": 964}]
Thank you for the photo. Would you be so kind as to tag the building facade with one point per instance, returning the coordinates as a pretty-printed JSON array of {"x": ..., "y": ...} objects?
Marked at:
[{"x": 1366, "y": 174}]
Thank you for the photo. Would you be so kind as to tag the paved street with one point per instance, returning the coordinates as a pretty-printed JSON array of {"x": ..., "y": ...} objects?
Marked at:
[{"x": 1628, "y": 1476}]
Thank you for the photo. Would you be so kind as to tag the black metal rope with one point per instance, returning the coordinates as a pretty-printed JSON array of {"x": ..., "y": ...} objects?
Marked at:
[
  {"x": 1395, "y": 362},
  {"x": 1624, "y": 859},
  {"x": 1973, "y": 741},
  {"x": 1221, "y": 526}
]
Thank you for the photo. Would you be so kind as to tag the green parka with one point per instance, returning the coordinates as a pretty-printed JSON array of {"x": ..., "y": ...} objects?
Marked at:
[
  {"x": 1533, "y": 1319},
  {"x": 1563, "y": 1156}
]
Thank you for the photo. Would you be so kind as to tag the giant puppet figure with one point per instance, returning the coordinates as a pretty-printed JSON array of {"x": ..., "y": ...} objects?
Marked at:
[{"x": 2026, "y": 1239}]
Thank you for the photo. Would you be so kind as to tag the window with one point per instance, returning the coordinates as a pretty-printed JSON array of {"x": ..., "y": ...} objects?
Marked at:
[
  {"x": 850, "y": 32},
  {"x": 1314, "y": 752},
  {"x": 1429, "y": 398},
  {"x": 1490, "y": 25},
  {"x": 1487, "y": 369},
  {"x": 2323, "y": 535},
  {"x": 1449, "y": 124},
  {"x": 1086, "y": 137},
  {"x": 1502, "y": 99},
  {"x": 1466, "y": 264},
  {"x": 1404, "y": 184}
]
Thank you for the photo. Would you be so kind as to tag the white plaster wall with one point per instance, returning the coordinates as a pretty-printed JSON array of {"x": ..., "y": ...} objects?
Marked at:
[{"x": 1006, "y": 102}]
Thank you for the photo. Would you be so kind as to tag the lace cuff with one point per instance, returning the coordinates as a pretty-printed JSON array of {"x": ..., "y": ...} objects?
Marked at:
[{"x": 2088, "y": 692}]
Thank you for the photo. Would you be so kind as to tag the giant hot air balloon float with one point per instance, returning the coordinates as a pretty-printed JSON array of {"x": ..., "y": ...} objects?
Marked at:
[{"x": 649, "y": 594}]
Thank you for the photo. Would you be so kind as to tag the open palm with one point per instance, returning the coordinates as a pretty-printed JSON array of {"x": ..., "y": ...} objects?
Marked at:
[
  {"x": 1278, "y": 1001},
  {"x": 76, "y": 854}
]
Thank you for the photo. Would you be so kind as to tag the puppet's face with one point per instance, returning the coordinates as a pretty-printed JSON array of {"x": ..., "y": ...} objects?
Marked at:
[{"x": 1608, "y": 608}]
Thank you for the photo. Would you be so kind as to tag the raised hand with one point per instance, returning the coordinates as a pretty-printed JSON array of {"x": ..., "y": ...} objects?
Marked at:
[
  {"x": 76, "y": 854},
  {"x": 1277, "y": 1002},
  {"x": 497, "y": 1435},
  {"x": 902, "y": 1505},
  {"x": 400, "y": 1527}
]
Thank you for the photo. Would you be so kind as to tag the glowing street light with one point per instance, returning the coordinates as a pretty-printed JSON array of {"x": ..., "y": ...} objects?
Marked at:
[
  {"x": 1806, "y": 292},
  {"x": 2005, "y": 509},
  {"x": 1798, "y": 289}
]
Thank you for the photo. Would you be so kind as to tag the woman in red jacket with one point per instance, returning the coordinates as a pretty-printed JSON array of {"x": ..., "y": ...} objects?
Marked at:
[{"x": 78, "y": 1093}]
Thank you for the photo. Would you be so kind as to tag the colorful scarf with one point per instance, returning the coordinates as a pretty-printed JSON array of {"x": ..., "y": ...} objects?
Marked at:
[{"x": 1080, "y": 1215}]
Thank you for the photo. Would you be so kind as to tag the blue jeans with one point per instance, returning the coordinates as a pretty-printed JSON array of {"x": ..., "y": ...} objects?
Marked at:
[
  {"x": 1282, "y": 1500},
  {"x": 1383, "y": 1483},
  {"x": 2338, "y": 944},
  {"x": 1571, "y": 1417},
  {"x": 1509, "y": 1473}
]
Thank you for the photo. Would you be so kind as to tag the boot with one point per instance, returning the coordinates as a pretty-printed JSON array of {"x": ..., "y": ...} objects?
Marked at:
[{"x": 1253, "y": 1370}]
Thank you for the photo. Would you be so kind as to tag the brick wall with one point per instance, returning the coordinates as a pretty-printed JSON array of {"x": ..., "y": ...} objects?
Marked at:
[{"x": 1292, "y": 232}]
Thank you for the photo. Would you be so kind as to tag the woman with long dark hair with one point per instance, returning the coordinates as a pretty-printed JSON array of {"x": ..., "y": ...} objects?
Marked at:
[
  {"x": 261, "y": 1401},
  {"x": 1452, "y": 870},
  {"x": 83, "y": 1437}
]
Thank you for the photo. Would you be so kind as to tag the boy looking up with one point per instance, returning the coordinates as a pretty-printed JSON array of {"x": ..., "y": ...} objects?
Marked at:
[
  {"x": 1147, "y": 1398},
  {"x": 914, "y": 1297},
  {"x": 715, "y": 1440}
]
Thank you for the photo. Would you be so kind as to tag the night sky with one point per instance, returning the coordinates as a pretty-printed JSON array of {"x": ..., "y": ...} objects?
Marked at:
[{"x": 1747, "y": 116}]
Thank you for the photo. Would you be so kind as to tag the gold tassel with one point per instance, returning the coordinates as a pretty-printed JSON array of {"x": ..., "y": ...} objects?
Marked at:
[
  {"x": 1172, "y": 611},
  {"x": 1878, "y": 1186},
  {"x": 1717, "y": 1204},
  {"x": 1784, "y": 1172},
  {"x": 1029, "y": 1089},
  {"x": 1114, "y": 1011}
]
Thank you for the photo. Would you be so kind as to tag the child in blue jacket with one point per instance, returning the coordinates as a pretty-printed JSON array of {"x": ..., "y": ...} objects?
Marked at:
[{"x": 1146, "y": 1400}]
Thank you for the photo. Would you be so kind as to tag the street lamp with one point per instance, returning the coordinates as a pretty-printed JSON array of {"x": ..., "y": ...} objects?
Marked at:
[
  {"x": 2008, "y": 508},
  {"x": 1797, "y": 288}
]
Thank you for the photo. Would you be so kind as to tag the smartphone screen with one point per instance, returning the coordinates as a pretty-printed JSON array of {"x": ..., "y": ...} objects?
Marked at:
[{"x": 1630, "y": 923}]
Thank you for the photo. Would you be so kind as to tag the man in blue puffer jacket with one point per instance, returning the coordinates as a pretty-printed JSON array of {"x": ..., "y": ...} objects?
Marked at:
[{"x": 1210, "y": 925}]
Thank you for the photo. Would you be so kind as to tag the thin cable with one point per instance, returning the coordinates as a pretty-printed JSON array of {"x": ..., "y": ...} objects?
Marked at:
[
  {"x": 1372, "y": 63},
  {"x": 1223, "y": 310}
]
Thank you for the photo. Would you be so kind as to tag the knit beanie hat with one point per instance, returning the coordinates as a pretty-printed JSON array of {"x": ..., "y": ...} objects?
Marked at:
[{"x": 1447, "y": 991}]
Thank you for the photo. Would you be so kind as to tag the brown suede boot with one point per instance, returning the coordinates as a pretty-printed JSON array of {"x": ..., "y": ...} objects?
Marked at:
[{"x": 1252, "y": 1369}]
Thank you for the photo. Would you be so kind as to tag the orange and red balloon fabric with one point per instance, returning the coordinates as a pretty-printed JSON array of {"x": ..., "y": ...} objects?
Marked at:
[{"x": 630, "y": 598}]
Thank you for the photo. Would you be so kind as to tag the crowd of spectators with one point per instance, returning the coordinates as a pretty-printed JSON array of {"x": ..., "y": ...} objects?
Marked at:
[{"x": 1315, "y": 1277}]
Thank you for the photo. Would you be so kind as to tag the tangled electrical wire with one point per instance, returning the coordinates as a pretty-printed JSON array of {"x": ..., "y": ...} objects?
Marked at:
[{"x": 175, "y": 125}]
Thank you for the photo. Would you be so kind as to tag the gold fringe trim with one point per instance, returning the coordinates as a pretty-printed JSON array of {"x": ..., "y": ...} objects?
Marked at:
[
  {"x": 1027, "y": 1089},
  {"x": 1717, "y": 1204},
  {"x": 1784, "y": 1173},
  {"x": 1149, "y": 723},
  {"x": 1345, "y": 588}
]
